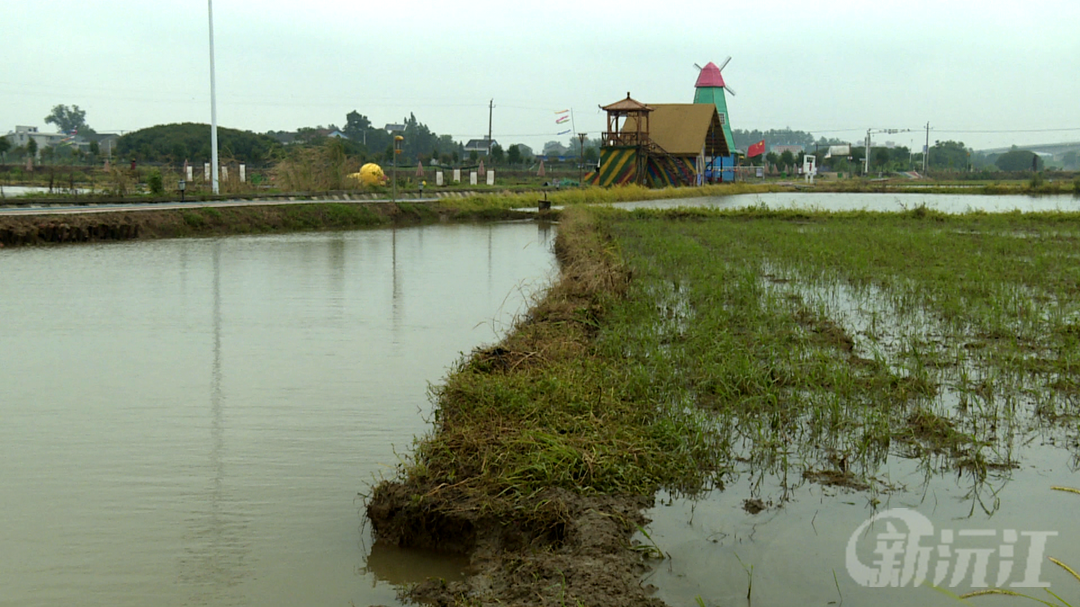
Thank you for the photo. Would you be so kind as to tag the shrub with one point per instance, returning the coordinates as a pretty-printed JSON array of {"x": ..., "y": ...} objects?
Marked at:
[{"x": 155, "y": 183}]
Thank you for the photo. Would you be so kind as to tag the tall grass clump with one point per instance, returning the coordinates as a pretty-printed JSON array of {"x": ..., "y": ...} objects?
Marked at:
[{"x": 317, "y": 169}]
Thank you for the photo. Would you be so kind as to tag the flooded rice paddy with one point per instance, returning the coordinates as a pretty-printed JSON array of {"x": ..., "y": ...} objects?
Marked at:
[
  {"x": 188, "y": 422},
  {"x": 946, "y": 203},
  {"x": 922, "y": 371}
]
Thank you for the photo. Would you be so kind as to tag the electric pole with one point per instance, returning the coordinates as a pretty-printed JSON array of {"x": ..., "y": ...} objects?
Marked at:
[
  {"x": 926, "y": 150},
  {"x": 866, "y": 160},
  {"x": 491, "y": 109}
]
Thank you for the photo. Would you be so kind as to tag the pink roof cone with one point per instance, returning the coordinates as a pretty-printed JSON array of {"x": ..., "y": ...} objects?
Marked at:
[{"x": 709, "y": 76}]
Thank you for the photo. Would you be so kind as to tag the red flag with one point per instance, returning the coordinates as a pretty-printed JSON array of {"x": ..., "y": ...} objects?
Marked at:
[{"x": 756, "y": 149}]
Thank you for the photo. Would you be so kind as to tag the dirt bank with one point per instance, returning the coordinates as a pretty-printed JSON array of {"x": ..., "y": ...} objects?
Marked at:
[
  {"x": 18, "y": 230},
  {"x": 568, "y": 550}
]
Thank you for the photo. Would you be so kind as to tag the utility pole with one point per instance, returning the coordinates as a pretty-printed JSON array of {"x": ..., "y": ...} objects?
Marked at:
[
  {"x": 491, "y": 109},
  {"x": 213, "y": 105},
  {"x": 866, "y": 160},
  {"x": 926, "y": 150},
  {"x": 581, "y": 158}
]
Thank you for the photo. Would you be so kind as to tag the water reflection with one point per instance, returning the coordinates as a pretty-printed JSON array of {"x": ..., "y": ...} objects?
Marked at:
[
  {"x": 214, "y": 405},
  {"x": 400, "y": 566},
  {"x": 216, "y": 559}
]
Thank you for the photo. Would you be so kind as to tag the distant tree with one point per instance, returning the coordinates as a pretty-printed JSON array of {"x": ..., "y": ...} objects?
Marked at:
[
  {"x": 771, "y": 157},
  {"x": 881, "y": 157},
  {"x": 32, "y": 147},
  {"x": 513, "y": 155},
  {"x": 177, "y": 142},
  {"x": 48, "y": 153},
  {"x": 95, "y": 148},
  {"x": 949, "y": 155},
  {"x": 592, "y": 154},
  {"x": 787, "y": 159},
  {"x": 1070, "y": 161},
  {"x": 786, "y": 136},
  {"x": 1019, "y": 160},
  {"x": 5, "y": 145},
  {"x": 473, "y": 156},
  {"x": 497, "y": 154},
  {"x": 68, "y": 119}
]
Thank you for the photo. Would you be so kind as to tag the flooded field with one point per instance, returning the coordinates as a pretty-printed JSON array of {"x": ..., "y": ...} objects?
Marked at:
[
  {"x": 14, "y": 191},
  {"x": 946, "y": 203},
  {"x": 923, "y": 370},
  {"x": 188, "y": 422}
]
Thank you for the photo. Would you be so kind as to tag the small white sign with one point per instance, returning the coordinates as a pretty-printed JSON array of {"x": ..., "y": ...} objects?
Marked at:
[
  {"x": 206, "y": 171},
  {"x": 190, "y": 172},
  {"x": 243, "y": 173},
  {"x": 491, "y": 177},
  {"x": 438, "y": 178},
  {"x": 472, "y": 177},
  {"x": 457, "y": 175}
]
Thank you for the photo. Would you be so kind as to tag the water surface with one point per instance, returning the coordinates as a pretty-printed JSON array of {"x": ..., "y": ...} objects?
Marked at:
[{"x": 188, "y": 422}]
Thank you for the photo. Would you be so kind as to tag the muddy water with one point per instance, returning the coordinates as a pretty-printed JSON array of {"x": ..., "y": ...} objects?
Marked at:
[
  {"x": 946, "y": 203},
  {"x": 188, "y": 422},
  {"x": 799, "y": 542}
]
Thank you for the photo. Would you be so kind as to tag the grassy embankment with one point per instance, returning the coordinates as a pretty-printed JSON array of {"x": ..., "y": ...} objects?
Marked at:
[
  {"x": 679, "y": 346},
  {"x": 225, "y": 220}
]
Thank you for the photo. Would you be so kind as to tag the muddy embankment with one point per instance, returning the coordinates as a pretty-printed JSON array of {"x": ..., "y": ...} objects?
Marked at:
[
  {"x": 28, "y": 230},
  {"x": 533, "y": 470}
]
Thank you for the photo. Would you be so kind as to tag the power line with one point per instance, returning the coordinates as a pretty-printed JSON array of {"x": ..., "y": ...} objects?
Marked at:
[{"x": 1008, "y": 131}]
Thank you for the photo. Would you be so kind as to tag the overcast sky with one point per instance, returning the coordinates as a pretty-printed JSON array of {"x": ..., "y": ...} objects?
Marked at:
[{"x": 831, "y": 67}]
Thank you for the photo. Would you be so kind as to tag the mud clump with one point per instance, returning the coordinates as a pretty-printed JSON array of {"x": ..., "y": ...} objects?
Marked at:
[{"x": 556, "y": 548}]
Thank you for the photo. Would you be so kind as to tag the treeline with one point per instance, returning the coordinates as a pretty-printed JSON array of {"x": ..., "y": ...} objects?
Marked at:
[
  {"x": 745, "y": 138},
  {"x": 176, "y": 143}
]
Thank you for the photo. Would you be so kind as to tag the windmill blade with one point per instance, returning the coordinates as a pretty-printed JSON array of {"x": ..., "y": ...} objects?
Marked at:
[
  {"x": 728, "y": 89},
  {"x": 724, "y": 64},
  {"x": 698, "y": 67}
]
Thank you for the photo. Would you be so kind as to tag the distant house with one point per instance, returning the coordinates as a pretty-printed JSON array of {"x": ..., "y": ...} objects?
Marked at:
[
  {"x": 554, "y": 148},
  {"x": 480, "y": 146},
  {"x": 23, "y": 134}
]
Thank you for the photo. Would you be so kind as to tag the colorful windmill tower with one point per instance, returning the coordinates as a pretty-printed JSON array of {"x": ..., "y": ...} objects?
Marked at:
[{"x": 710, "y": 89}]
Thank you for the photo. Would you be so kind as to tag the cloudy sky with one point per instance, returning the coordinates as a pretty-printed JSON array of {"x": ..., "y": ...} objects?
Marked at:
[{"x": 989, "y": 73}]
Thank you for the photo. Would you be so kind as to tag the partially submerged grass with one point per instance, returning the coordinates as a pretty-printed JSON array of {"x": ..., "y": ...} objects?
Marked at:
[
  {"x": 834, "y": 340},
  {"x": 678, "y": 343}
]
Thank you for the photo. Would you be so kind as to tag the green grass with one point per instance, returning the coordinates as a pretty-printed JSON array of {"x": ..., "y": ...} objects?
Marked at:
[{"x": 680, "y": 345}]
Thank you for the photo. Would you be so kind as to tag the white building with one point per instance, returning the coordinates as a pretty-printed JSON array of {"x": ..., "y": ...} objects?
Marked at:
[{"x": 23, "y": 134}]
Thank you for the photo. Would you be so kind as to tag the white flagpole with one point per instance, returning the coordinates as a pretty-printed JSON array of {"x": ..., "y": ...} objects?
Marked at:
[{"x": 213, "y": 104}]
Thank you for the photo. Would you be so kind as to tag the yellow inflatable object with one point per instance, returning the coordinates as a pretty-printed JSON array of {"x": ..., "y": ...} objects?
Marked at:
[{"x": 370, "y": 174}]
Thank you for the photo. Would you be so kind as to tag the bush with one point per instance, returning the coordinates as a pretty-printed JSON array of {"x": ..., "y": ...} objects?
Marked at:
[{"x": 155, "y": 183}]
